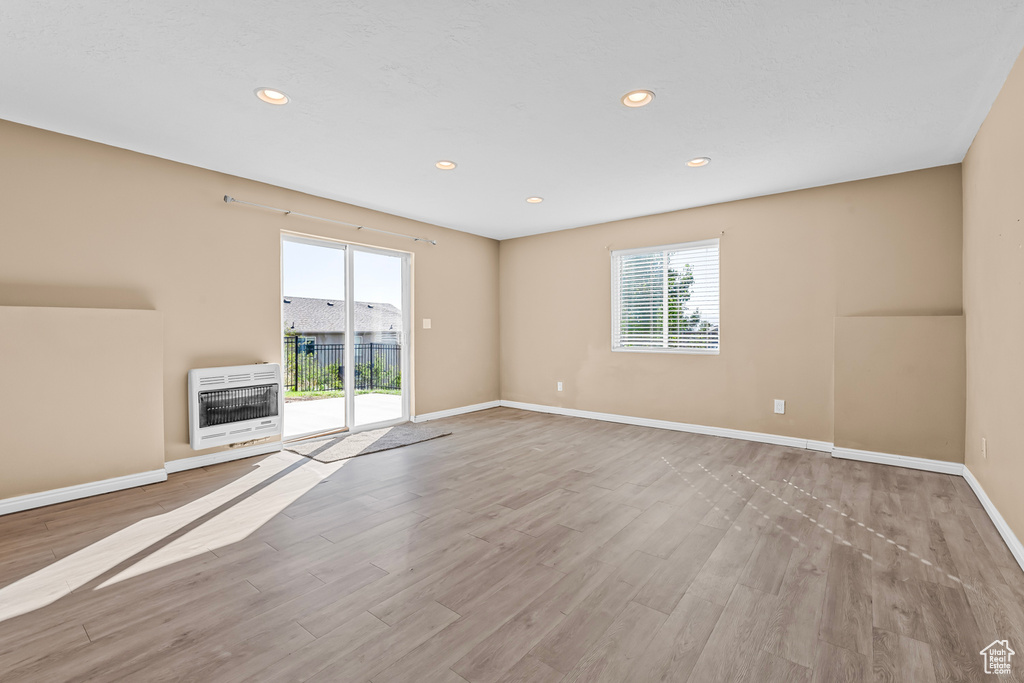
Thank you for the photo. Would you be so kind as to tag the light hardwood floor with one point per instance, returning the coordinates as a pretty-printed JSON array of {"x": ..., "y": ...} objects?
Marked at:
[{"x": 524, "y": 547}]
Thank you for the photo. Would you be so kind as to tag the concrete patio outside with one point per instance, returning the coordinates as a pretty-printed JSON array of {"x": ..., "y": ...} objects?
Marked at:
[{"x": 304, "y": 417}]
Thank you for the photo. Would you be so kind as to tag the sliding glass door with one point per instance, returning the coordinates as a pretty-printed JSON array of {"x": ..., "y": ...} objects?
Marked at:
[
  {"x": 379, "y": 284},
  {"x": 345, "y": 337}
]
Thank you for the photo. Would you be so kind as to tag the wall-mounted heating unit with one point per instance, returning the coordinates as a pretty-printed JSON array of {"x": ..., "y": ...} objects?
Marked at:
[{"x": 234, "y": 404}]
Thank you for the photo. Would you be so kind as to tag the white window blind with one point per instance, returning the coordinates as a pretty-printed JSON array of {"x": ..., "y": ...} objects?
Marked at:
[{"x": 666, "y": 298}]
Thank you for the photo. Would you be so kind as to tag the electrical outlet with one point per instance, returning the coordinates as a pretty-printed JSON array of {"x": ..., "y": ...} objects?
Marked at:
[
  {"x": 559, "y": 386},
  {"x": 426, "y": 323},
  {"x": 984, "y": 448},
  {"x": 780, "y": 406}
]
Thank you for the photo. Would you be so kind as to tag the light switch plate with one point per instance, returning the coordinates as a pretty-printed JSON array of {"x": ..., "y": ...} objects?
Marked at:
[{"x": 426, "y": 323}]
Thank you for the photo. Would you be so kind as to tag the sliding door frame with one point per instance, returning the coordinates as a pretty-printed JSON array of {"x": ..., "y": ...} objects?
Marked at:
[
  {"x": 405, "y": 339},
  {"x": 406, "y": 336}
]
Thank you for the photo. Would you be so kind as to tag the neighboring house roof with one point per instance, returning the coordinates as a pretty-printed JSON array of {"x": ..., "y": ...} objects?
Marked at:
[{"x": 306, "y": 315}]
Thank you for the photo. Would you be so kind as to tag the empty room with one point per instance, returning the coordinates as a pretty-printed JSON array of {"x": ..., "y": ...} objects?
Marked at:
[{"x": 512, "y": 342}]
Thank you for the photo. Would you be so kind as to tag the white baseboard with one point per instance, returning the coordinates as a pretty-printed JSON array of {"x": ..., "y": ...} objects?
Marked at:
[
  {"x": 93, "y": 488},
  {"x": 452, "y": 412},
  {"x": 1012, "y": 542},
  {"x": 228, "y": 455},
  {"x": 925, "y": 464},
  {"x": 791, "y": 441}
]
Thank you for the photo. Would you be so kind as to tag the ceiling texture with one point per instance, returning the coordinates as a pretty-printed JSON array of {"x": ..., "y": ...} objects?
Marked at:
[{"x": 523, "y": 95}]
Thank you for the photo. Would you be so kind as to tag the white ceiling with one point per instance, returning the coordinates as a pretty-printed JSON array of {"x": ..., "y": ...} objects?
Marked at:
[{"x": 523, "y": 94}]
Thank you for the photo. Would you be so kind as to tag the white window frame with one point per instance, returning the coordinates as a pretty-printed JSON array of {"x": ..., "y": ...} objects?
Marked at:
[{"x": 615, "y": 296}]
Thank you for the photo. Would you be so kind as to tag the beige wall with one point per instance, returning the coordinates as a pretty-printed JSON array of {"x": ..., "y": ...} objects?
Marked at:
[
  {"x": 790, "y": 264},
  {"x": 82, "y": 397},
  {"x": 900, "y": 385},
  {"x": 993, "y": 182},
  {"x": 87, "y": 225}
]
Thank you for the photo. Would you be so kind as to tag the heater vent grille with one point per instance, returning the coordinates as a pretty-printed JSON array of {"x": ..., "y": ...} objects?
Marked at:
[
  {"x": 226, "y": 406},
  {"x": 231, "y": 405}
]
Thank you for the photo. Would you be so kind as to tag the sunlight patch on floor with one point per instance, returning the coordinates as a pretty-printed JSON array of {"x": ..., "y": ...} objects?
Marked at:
[{"x": 234, "y": 523}]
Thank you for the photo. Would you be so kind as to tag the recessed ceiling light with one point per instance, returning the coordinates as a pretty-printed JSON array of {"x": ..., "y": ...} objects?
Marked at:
[
  {"x": 637, "y": 98},
  {"x": 699, "y": 161},
  {"x": 271, "y": 96},
  {"x": 446, "y": 165},
  {"x": 534, "y": 200}
]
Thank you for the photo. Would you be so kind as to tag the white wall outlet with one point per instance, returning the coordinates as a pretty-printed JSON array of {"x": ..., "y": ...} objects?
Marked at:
[
  {"x": 426, "y": 323},
  {"x": 559, "y": 386},
  {"x": 780, "y": 406},
  {"x": 984, "y": 448}
]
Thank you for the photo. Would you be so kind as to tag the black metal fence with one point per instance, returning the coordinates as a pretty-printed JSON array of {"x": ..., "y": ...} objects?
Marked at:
[{"x": 309, "y": 366}]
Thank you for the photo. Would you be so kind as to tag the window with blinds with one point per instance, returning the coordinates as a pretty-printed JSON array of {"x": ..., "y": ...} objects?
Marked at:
[{"x": 665, "y": 299}]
